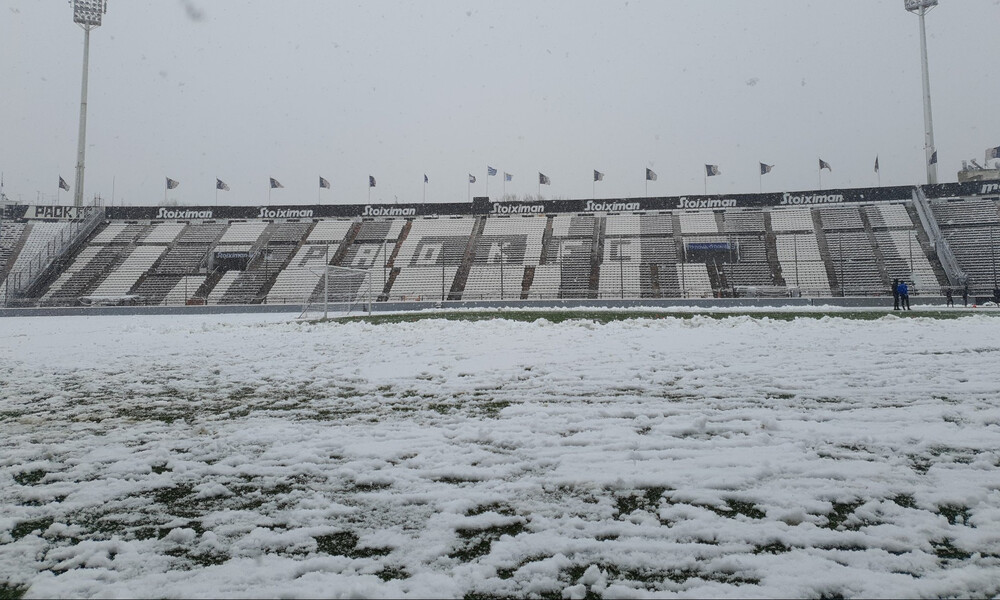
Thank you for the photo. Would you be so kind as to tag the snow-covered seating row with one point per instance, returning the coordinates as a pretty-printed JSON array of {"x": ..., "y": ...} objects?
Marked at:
[
  {"x": 966, "y": 212},
  {"x": 182, "y": 259},
  {"x": 698, "y": 222},
  {"x": 163, "y": 233},
  {"x": 243, "y": 232},
  {"x": 905, "y": 259},
  {"x": 620, "y": 279},
  {"x": 432, "y": 242},
  {"x": 573, "y": 226},
  {"x": 793, "y": 247},
  {"x": 43, "y": 238},
  {"x": 791, "y": 219},
  {"x": 329, "y": 230},
  {"x": 744, "y": 221},
  {"x": 692, "y": 282},
  {"x": 423, "y": 283},
  {"x": 201, "y": 233},
  {"x": 10, "y": 234},
  {"x": 377, "y": 231},
  {"x": 978, "y": 252},
  {"x": 287, "y": 232},
  {"x": 840, "y": 217},
  {"x": 885, "y": 216},
  {"x": 517, "y": 239},
  {"x": 303, "y": 274},
  {"x": 494, "y": 281},
  {"x": 184, "y": 290},
  {"x": 121, "y": 279},
  {"x": 85, "y": 273}
]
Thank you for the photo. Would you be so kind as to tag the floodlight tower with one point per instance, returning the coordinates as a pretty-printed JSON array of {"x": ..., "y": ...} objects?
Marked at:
[
  {"x": 87, "y": 14},
  {"x": 921, "y": 8}
]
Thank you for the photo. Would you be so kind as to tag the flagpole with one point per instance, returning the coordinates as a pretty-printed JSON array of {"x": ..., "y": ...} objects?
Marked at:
[
  {"x": 164, "y": 195},
  {"x": 425, "y": 192},
  {"x": 112, "y": 190},
  {"x": 760, "y": 179},
  {"x": 487, "y": 181},
  {"x": 216, "y": 191},
  {"x": 706, "y": 182}
]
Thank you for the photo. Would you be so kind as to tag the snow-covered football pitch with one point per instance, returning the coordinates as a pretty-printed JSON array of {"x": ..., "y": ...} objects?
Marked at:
[{"x": 241, "y": 455}]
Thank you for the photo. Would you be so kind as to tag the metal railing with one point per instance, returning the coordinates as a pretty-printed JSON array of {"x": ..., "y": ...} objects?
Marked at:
[
  {"x": 39, "y": 265},
  {"x": 956, "y": 276}
]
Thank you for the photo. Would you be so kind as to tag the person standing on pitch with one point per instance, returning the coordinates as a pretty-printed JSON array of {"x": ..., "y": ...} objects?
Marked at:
[
  {"x": 965, "y": 296},
  {"x": 949, "y": 301},
  {"x": 895, "y": 294},
  {"x": 904, "y": 295}
]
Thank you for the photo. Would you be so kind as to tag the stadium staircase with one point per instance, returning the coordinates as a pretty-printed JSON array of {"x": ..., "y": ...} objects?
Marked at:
[
  {"x": 953, "y": 272},
  {"x": 468, "y": 258},
  {"x": 546, "y": 241},
  {"x": 403, "y": 234},
  {"x": 527, "y": 280},
  {"x": 345, "y": 245},
  {"x": 771, "y": 251},
  {"x": 15, "y": 251},
  {"x": 654, "y": 279},
  {"x": 52, "y": 264},
  {"x": 836, "y": 285},
  {"x": 391, "y": 263},
  {"x": 597, "y": 257},
  {"x": 384, "y": 297},
  {"x": 876, "y": 251},
  {"x": 926, "y": 245},
  {"x": 272, "y": 233}
]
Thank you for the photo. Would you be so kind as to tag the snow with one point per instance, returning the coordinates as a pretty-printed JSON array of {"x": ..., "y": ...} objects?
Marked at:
[{"x": 250, "y": 455}]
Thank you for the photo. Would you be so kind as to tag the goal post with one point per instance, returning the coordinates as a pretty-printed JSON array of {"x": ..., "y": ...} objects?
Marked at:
[{"x": 339, "y": 289}]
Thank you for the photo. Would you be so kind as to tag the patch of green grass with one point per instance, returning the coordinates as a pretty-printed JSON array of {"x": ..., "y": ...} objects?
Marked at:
[
  {"x": 477, "y": 542},
  {"x": 905, "y": 500},
  {"x": 920, "y": 464},
  {"x": 956, "y": 515},
  {"x": 494, "y": 507},
  {"x": 604, "y": 317},
  {"x": 390, "y": 573},
  {"x": 10, "y": 591},
  {"x": 945, "y": 550},
  {"x": 345, "y": 543},
  {"x": 647, "y": 499},
  {"x": 840, "y": 513},
  {"x": 30, "y": 477},
  {"x": 772, "y": 548},
  {"x": 26, "y": 527}
]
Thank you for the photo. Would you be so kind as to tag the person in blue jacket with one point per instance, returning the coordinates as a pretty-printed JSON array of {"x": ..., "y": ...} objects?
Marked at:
[{"x": 904, "y": 295}]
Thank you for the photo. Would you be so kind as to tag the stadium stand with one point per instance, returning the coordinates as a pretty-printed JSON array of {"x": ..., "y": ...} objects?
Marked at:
[
  {"x": 822, "y": 249},
  {"x": 972, "y": 231}
]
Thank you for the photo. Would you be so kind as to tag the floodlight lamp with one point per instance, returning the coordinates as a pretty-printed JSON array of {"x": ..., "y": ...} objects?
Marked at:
[
  {"x": 916, "y": 5},
  {"x": 89, "y": 12}
]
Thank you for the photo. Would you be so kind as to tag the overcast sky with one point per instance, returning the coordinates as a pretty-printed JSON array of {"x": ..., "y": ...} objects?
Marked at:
[{"x": 245, "y": 90}]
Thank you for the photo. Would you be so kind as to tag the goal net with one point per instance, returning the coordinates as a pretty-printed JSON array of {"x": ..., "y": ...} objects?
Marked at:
[{"x": 340, "y": 291}]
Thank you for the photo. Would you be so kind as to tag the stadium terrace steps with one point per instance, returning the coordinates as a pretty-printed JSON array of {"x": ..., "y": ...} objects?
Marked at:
[
  {"x": 11, "y": 240},
  {"x": 771, "y": 249},
  {"x": 526, "y": 281},
  {"x": 877, "y": 253},
  {"x": 458, "y": 286}
]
